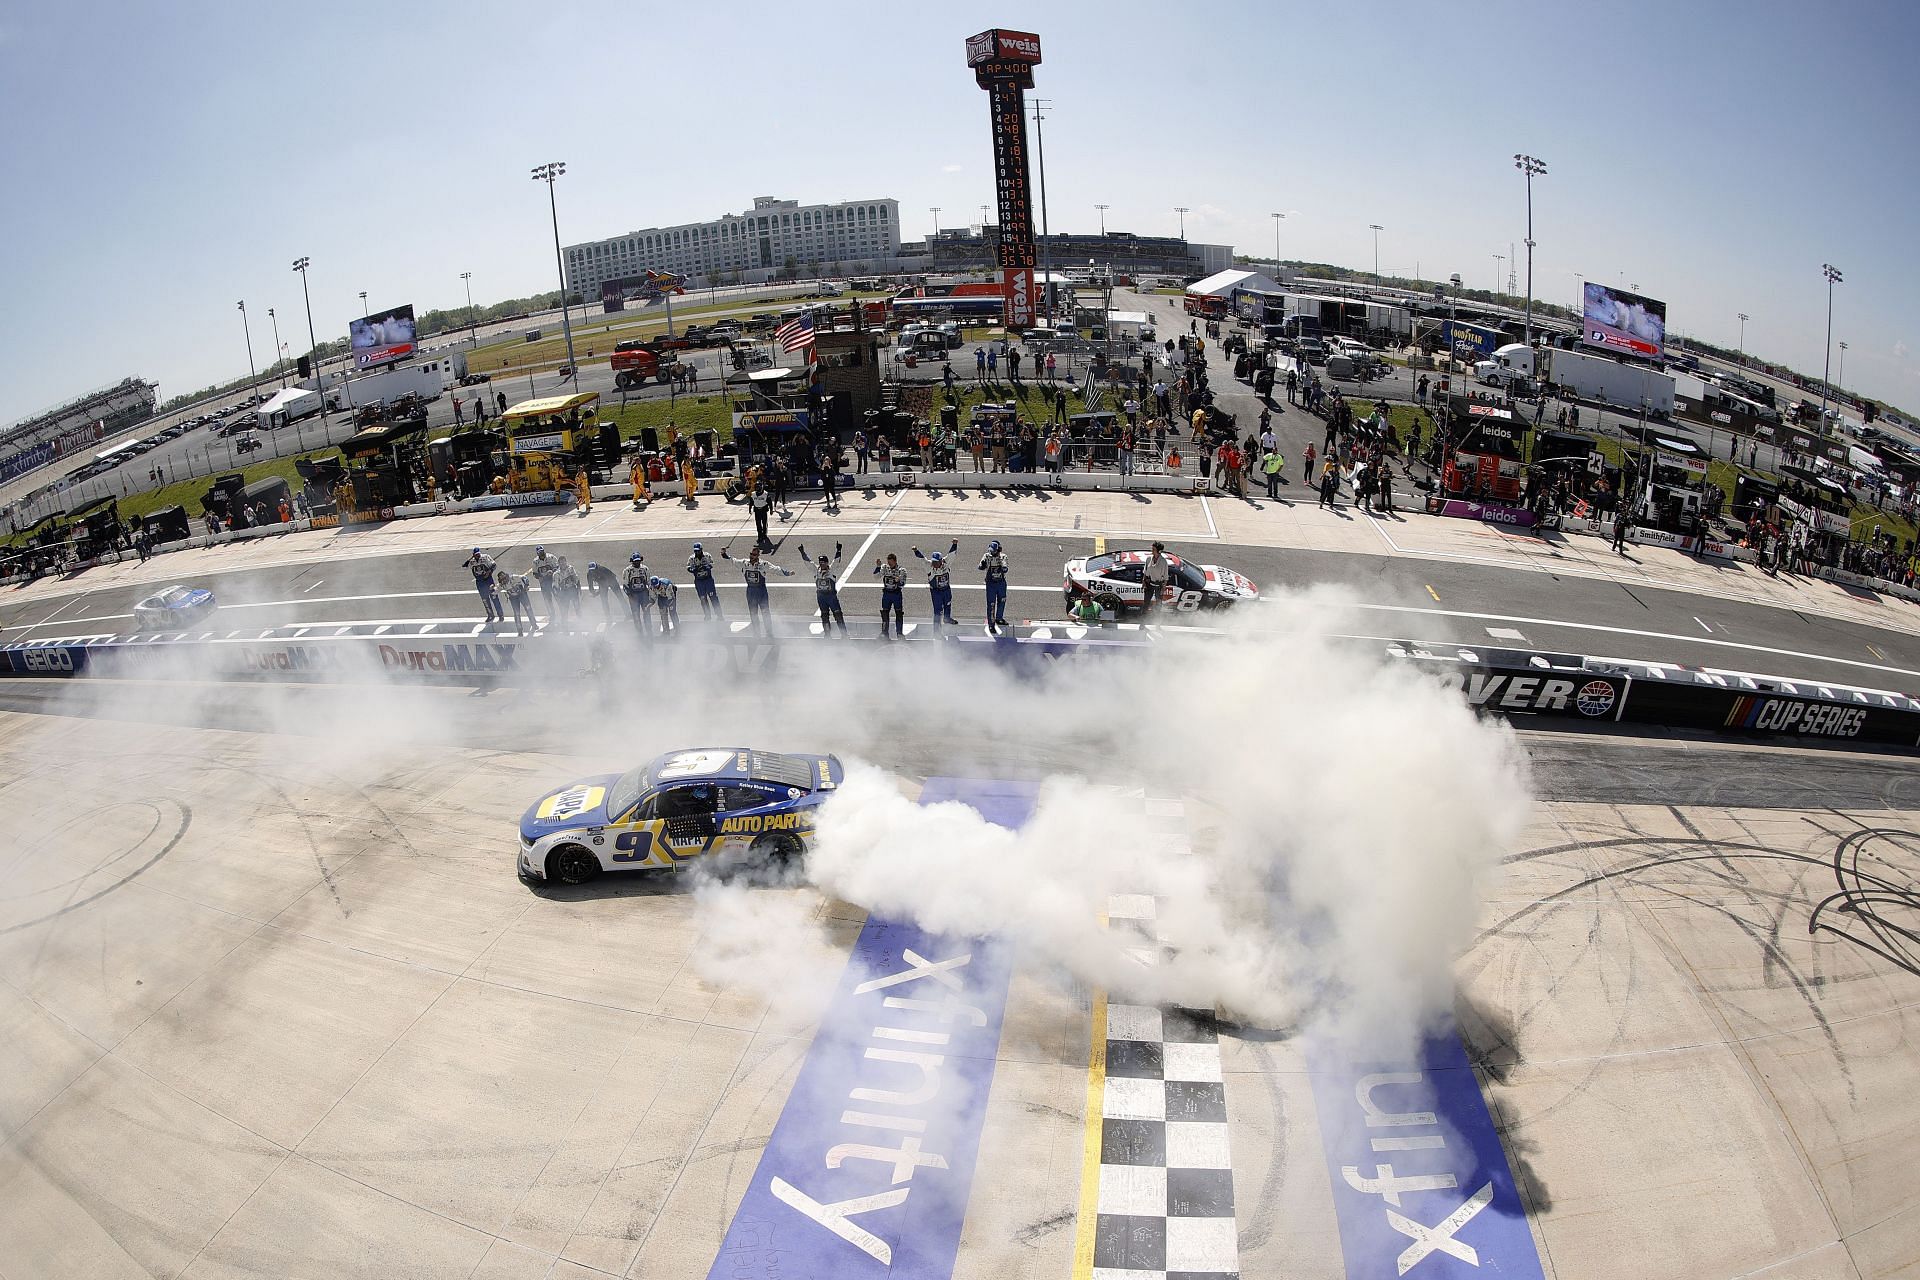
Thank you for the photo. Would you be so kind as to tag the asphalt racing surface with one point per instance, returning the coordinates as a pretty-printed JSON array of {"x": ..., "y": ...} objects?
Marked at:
[{"x": 275, "y": 1005}]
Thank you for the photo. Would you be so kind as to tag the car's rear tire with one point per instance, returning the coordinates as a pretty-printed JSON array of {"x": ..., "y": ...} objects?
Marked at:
[
  {"x": 572, "y": 864},
  {"x": 779, "y": 849}
]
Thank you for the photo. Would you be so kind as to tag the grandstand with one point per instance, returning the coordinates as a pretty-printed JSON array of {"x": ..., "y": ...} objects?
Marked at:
[{"x": 45, "y": 437}]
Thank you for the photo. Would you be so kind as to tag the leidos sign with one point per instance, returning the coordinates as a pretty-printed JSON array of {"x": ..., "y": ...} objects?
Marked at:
[{"x": 1003, "y": 46}]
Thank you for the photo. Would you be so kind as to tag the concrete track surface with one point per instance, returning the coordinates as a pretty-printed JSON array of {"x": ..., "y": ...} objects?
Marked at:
[{"x": 272, "y": 1003}]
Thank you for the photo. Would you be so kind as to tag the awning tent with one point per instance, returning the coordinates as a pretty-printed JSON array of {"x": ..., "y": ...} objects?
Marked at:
[
  {"x": 282, "y": 399},
  {"x": 1222, "y": 284}
]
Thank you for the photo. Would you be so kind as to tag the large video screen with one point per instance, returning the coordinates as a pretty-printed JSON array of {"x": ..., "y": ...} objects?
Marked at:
[
  {"x": 1621, "y": 322},
  {"x": 382, "y": 338}
]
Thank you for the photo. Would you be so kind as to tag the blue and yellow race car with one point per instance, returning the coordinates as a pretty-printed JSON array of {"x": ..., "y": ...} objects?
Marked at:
[{"x": 681, "y": 806}]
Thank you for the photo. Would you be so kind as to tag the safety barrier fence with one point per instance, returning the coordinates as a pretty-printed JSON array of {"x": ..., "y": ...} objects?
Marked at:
[{"x": 1507, "y": 682}]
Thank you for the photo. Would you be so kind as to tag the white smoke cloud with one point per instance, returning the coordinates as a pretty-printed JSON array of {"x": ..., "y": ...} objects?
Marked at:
[{"x": 1346, "y": 817}]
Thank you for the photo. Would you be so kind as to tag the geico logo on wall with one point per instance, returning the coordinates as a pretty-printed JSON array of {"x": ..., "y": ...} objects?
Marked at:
[{"x": 44, "y": 662}]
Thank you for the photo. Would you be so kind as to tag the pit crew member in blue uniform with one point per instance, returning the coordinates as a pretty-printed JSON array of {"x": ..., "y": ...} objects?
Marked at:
[
  {"x": 639, "y": 599},
  {"x": 483, "y": 569},
  {"x": 826, "y": 593},
  {"x": 700, "y": 565},
  {"x": 940, "y": 581},
  {"x": 666, "y": 602},
  {"x": 893, "y": 596},
  {"x": 995, "y": 565},
  {"x": 754, "y": 570}
]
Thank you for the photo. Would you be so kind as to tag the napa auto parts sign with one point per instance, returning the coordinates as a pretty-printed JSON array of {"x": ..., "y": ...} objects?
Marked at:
[{"x": 1003, "y": 46}]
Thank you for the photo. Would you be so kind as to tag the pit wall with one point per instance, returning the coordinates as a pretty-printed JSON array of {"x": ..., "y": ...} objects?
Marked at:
[{"x": 1506, "y": 682}]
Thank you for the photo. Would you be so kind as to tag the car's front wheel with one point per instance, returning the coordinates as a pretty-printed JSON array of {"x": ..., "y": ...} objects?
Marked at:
[{"x": 572, "y": 864}]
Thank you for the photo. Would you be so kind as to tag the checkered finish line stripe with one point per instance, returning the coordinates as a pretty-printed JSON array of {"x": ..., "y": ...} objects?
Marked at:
[{"x": 1163, "y": 1207}]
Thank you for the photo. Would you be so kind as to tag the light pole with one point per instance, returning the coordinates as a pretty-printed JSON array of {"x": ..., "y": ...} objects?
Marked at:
[
  {"x": 1840, "y": 378},
  {"x": 363, "y": 302},
  {"x": 1276, "y": 238},
  {"x": 1182, "y": 209},
  {"x": 1743, "y": 336},
  {"x": 935, "y": 209},
  {"x": 278, "y": 364},
  {"x": 1377, "y": 229},
  {"x": 319, "y": 380},
  {"x": 547, "y": 173},
  {"x": 983, "y": 219},
  {"x": 1832, "y": 273},
  {"x": 473, "y": 339},
  {"x": 1499, "y": 260},
  {"x": 1046, "y": 247},
  {"x": 253, "y": 373},
  {"x": 1103, "y": 217},
  {"x": 1529, "y": 166}
]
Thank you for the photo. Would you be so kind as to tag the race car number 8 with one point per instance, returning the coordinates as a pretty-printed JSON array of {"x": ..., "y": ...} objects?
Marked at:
[{"x": 1187, "y": 602}]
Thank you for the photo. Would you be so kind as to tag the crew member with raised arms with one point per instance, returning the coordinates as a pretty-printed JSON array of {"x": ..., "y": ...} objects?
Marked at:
[
  {"x": 940, "y": 581},
  {"x": 754, "y": 570},
  {"x": 893, "y": 596},
  {"x": 826, "y": 592},
  {"x": 995, "y": 565}
]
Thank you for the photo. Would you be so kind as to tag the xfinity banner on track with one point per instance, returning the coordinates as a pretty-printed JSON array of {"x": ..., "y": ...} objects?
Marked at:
[{"x": 1623, "y": 323}]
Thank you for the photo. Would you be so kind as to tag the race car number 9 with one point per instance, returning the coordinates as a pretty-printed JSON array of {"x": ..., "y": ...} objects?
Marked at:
[{"x": 1187, "y": 601}]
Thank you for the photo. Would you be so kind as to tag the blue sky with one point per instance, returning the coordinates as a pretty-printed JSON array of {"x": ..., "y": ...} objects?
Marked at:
[{"x": 165, "y": 161}]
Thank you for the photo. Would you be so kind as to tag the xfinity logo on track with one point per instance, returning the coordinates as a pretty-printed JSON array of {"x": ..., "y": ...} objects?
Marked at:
[{"x": 916, "y": 1075}]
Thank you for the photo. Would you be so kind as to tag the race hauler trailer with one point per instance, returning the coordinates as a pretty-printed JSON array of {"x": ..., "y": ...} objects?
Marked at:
[
  {"x": 553, "y": 439},
  {"x": 1483, "y": 461},
  {"x": 1673, "y": 493},
  {"x": 288, "y": 406},
  {"x": 424, "y": 379},
  {"x": 1577, "y": 375}
]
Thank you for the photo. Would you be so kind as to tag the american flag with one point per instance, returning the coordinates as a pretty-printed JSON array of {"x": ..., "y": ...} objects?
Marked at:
[{"x": 795, "y": 334}]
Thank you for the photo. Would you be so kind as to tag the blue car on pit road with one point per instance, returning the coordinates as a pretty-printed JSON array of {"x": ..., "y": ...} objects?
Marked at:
[
  {"x": 674, "y": 809},
  {"x": 174, "y": 608}
]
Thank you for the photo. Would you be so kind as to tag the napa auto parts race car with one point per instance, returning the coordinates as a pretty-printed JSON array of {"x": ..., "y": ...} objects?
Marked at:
[
  {"x": 1116, "y": 583},
  {"x": 173, "y": 609},
  {"x": 682, "y": 806}
]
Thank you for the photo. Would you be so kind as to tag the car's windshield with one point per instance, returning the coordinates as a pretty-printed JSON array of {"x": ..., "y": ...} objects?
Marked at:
[{"x": 625, "y": 793}]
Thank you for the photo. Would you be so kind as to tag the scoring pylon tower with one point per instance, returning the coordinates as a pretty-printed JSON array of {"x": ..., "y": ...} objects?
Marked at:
[{"x": 1003, "y": 63}]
